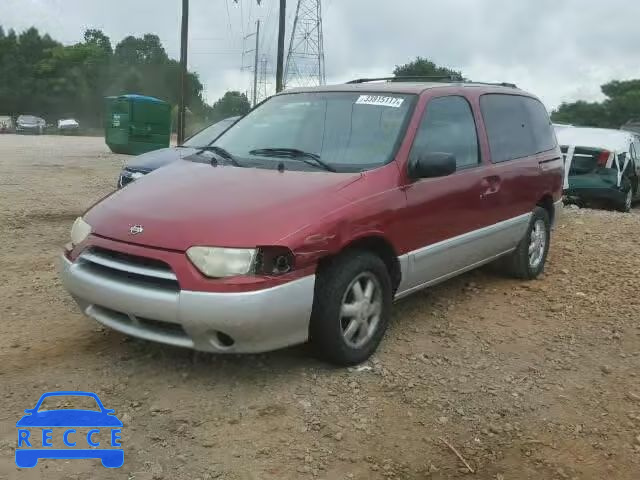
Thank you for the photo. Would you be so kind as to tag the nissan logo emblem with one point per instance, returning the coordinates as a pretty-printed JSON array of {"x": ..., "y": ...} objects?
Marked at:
[{"x": 136, "y": 229}]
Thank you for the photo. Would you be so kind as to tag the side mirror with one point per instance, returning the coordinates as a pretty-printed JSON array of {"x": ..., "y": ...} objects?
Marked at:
[{"x": 432, "y": 164}]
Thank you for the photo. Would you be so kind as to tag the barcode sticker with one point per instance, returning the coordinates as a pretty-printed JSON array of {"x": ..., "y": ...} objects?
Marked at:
[{"x": 380, "y": 101}]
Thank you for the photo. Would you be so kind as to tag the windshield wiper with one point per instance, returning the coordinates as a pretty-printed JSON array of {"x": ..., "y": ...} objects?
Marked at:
[
  {"x": 221, "y": 152},
  {"x": 295, "y": 154}
]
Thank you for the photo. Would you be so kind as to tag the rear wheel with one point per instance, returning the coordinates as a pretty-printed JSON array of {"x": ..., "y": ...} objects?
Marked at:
[
  {"x": 529, "y": 258},
  {"x": 351, "y": 308}
]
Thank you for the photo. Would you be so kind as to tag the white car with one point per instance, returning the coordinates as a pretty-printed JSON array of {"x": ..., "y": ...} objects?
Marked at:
[
  {"x": 600, "y": 165},
  {"x": 6, "y": 124},
  {"x": 68, "y": 124}
]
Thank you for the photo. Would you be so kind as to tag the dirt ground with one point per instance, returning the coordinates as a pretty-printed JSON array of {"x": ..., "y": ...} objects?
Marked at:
[{"x": 534, "y": 380}]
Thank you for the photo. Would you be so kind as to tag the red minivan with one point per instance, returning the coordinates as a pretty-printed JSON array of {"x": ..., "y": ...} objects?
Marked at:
[{"x": 312, "y": 214}]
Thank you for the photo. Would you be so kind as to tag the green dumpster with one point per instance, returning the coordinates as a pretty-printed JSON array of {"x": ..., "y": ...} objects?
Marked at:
[{"x": 136, "y": 124}]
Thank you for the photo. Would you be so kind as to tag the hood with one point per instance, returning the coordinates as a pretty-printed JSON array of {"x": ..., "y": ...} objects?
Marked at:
[
  {"x": 158, "y": 158},
  {"x": 187, "y": 204},
  {"x": 69, "y": 418}
]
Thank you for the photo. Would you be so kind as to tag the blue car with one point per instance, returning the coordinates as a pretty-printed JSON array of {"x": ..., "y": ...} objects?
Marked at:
[
  {"x": 62, "y": 423},
  {"x": 148, "y": 162}
]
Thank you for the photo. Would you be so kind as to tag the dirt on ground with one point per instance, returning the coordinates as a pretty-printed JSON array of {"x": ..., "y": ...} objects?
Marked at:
[{"x": 526, "y": 380}]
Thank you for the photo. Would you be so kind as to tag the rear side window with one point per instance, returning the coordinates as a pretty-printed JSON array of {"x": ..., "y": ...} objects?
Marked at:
[
  {"x": 517, "y": 126},
  {"x": 448, "y": 126}
]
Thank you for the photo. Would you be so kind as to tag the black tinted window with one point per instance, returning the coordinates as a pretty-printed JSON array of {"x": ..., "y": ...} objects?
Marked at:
[
  {"x": 541, "y": 126},
  {"x": 448, "y": 127},
  {"x": 508, "y": 125}
]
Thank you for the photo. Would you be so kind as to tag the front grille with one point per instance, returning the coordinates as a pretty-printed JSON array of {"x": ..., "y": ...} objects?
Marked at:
[{"x": 128, "y": 268}]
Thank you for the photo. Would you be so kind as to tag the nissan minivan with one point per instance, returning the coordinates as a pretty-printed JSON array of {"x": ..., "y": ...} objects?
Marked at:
[{"x": 314, "y": 212}]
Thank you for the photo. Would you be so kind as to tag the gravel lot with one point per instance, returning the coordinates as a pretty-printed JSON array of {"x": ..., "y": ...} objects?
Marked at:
[{"x": 532, "y": 380}]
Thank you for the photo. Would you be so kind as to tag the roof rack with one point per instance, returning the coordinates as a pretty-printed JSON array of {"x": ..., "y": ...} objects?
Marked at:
[
  {"x": 496, "y": 84},
  {"x": 432, "y": 78}
]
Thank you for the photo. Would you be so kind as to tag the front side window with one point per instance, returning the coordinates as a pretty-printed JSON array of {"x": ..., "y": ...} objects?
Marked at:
[
  {"x": 350, "y": 132},
  {"x": 448, "y": 126}
]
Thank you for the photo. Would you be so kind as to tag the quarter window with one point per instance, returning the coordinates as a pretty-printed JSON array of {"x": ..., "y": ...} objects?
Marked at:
[
  {"x": 541, "y": 126},
  {"x": 448, "y": 126}
]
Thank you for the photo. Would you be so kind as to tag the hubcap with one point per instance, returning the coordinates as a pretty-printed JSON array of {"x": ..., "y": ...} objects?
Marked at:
[
  {"x": 537, "y": 244},
  {"x": 361, "y": 309}
]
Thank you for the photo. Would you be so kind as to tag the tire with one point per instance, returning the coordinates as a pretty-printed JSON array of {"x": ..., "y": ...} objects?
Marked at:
[
  {"x": 625, "y": 204},
  {"x": 336, "y": 307},
  {"x": 520, "y": 264}
]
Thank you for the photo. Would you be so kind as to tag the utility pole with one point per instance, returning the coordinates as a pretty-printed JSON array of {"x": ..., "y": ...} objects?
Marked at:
[
  {"x": 255, "y": 66},
  {"x": 183, "y": 71},
  {"x": 280, "y": 62}
]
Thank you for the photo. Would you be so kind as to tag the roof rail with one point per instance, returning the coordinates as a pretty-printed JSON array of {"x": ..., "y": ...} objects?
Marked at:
[
  {"x": 495, "y": 84},
  {"x": 433, "y": 78}
]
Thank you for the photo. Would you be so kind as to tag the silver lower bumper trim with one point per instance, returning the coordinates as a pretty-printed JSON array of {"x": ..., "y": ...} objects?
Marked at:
[{"x": 256, "y": 321}]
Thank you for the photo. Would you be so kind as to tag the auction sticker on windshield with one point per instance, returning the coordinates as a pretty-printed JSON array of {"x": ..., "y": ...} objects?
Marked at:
[{"x": 380, "y": 101}]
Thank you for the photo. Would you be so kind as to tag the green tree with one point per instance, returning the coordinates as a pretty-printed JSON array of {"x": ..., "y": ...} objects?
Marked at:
[
  {"x": 230, "y": 105},
  {"x": 582, "y": 113},
  {"x": 39, "y": 75},
  {"x": 139, "y": 51},
  {"x": 621, "y": 105},
  {"x": 97, "y": 37},
  {"x": 422, "y": 67}
]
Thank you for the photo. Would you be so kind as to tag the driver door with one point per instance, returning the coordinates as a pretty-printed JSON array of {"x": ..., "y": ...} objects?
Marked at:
[{"x": 446, "y": 215}]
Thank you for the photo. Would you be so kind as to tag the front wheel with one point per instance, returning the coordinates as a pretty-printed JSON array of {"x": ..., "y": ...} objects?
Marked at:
[
  {"x": 351, "y": 308},
  {"x": 529, "y": 258}
]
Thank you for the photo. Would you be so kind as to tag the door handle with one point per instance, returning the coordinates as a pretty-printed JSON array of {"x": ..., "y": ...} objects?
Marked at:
[{"x": 490, "y": 185}]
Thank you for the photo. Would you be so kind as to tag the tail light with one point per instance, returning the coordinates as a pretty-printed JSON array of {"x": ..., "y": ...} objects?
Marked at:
[{"x": 603, "y": 158}]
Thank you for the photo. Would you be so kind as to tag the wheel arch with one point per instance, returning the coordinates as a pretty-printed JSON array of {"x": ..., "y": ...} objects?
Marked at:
[
  {"x": 546, "y": 202},
  {"x": 378, "y": 245}
]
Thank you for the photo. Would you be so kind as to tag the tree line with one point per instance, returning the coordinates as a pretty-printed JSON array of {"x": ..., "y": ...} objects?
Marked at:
[
  {"x": 40, "y": 76},
  {"x": 621, "y": 106}
]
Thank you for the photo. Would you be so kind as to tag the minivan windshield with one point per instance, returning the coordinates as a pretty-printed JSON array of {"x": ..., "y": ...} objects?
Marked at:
[{"x": 321, "y": 131}]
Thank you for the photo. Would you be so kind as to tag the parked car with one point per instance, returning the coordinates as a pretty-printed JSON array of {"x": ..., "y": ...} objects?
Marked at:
[
  {"x": 68, "y": 125},
  {"x": 317, "y": 210},
  {"x": 148, "y": 162},
  {"x": 601, "y": 165},
  {"x": 6, "y": 124},
  {"x": 30, "y": 124}
]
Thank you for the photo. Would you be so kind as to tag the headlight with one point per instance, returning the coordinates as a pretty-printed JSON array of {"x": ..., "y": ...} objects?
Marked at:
[
  {"x": 223, "y": 262},
  {"x": 79, "y": 231}
]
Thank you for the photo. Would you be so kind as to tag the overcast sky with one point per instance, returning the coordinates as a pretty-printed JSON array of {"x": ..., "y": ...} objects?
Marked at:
[{"x": 561, "y": 50}]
